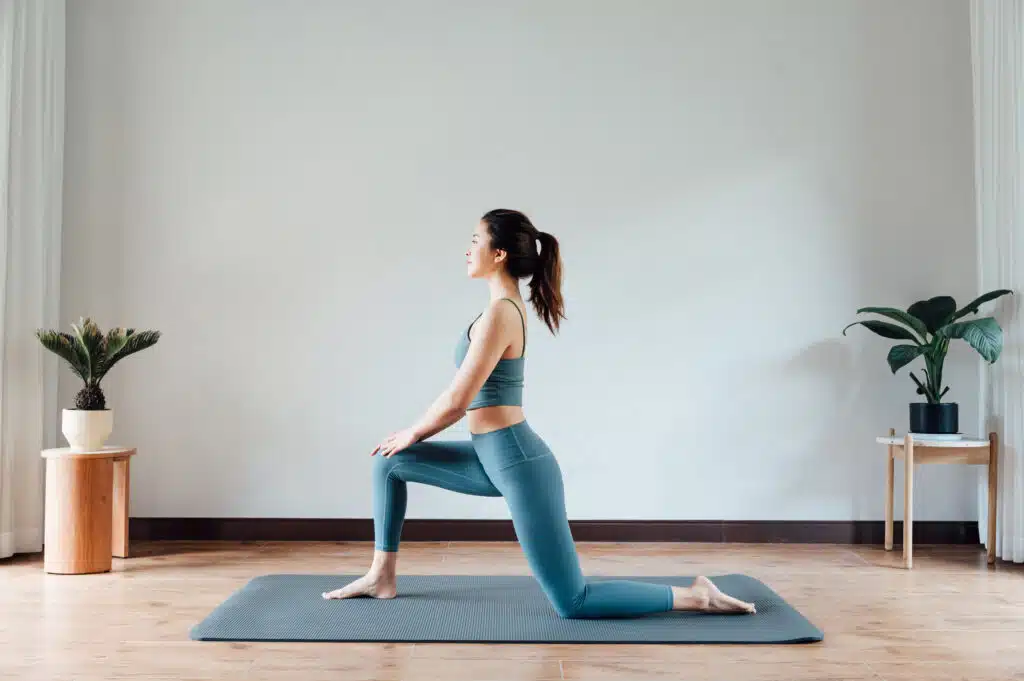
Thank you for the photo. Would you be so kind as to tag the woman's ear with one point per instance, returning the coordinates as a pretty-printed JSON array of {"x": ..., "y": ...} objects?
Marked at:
[{"x": 500, "y": 255}]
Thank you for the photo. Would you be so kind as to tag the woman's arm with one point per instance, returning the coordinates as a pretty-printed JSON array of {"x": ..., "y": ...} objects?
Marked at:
[{"x": 492, "y": 334}]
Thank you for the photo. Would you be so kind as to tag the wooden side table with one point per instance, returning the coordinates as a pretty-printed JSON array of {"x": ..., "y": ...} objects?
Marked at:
[
  {"x": 915, "y": 449},
  {"x": 86, "y": 509}
]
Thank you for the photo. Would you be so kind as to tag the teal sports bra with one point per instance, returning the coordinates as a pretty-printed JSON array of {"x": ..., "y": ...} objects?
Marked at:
[{"x": 504, "y": 387}]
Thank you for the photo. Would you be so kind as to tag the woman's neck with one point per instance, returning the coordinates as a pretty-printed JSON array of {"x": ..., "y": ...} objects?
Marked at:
[{"x": 502, "y": 286}]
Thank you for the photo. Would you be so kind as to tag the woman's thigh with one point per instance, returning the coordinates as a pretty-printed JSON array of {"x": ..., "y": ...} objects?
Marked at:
[{"x": 451, "y": 465}]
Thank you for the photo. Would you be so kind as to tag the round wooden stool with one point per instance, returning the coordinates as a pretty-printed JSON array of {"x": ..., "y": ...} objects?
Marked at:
[{"x": 86, "y": 509}]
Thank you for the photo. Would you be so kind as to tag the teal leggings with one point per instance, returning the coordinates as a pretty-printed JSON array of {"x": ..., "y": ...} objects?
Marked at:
[{"x": 514, "y": 463}]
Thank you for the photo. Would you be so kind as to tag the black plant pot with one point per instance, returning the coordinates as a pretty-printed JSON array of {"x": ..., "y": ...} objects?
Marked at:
[{"x": 937, "y": 419}]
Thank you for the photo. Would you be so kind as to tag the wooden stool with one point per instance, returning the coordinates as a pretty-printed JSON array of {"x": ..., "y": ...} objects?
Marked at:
[
  {"x": 86, "y": 509},
  {"x": 915, "y": 449}
]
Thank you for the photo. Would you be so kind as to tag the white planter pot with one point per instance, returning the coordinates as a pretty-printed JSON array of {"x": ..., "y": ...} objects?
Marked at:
[{"x": 87, "y": 431}]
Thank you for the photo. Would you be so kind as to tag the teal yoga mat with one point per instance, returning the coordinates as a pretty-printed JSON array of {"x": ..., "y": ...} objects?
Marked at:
[{"x": 482, "y": 609}]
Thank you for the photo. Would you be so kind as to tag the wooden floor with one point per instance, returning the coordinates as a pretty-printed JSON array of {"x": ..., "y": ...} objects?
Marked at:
[{"x": 951, "y": 617}]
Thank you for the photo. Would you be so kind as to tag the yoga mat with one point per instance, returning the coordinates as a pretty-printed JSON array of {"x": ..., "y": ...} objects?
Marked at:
[{"x": 482, "y": 609}]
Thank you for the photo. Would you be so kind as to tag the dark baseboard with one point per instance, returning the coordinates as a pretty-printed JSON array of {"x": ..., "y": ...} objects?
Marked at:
[{"x": 729, "y": 531}]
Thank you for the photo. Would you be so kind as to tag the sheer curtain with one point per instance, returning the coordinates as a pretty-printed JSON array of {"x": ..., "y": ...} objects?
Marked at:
[
  {"x": 997, "y": 50},
  {"x": 31, "y": 174}
]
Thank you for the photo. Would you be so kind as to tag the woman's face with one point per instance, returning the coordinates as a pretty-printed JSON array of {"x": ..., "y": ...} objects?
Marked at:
[{"x": 481, "y": 259}]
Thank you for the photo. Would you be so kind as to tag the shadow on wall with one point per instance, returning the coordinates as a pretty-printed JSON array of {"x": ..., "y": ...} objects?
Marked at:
[
  {"x": 823, "y": 419},
  {"x": 810, "y": 414},
  {"x": 829, "y": 466},
  {"x": 238, "y": 455}
]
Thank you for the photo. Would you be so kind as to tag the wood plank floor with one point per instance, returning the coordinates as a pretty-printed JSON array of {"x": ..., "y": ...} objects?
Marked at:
[{"x": 951, "y": 617}]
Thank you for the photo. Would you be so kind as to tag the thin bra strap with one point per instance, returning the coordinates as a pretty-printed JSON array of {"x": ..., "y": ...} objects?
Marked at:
[
  {"x": 523, "y": 320},
  {"x": 468, "y": 328}
]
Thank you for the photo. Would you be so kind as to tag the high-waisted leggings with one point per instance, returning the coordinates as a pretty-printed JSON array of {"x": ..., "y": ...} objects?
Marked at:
[{"x": 514, "y": 463}]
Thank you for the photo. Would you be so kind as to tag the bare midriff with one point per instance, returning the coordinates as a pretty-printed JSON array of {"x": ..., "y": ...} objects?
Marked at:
[{"x": 487, "y": 419}]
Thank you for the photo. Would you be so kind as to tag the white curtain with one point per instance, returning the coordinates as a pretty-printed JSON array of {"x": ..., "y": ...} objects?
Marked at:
[
  {"x": 31, "y": 174},
  {"x": 997, "y": 49}
]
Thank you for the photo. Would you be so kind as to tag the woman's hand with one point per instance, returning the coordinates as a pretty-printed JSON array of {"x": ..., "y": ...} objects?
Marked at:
[{"x": 396, "y": 442}]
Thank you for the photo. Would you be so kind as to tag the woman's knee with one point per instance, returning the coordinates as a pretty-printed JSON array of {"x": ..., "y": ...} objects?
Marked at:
[
  {"x": 566, "y": 604},
  {"x": 567, "y": 608},
  {"x": 383, "y": 467}
]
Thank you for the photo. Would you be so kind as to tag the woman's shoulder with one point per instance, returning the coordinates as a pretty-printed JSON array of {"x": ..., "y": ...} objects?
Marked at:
[
  {"x": 506, "y": 305},
  {"x": 503, "y": 312}
]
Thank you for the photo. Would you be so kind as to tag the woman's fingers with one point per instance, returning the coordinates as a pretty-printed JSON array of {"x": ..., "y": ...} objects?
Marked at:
[{"x": 383, "y": 446}]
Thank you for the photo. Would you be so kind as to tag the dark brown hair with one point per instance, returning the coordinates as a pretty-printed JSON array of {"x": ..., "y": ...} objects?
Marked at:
[{"x": 512, "y": 232}]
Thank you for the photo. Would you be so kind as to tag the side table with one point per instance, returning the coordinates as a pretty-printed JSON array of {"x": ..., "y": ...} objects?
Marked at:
[
  {"x": 86, "y": 509},
  {"x": 918, "y": 448}
]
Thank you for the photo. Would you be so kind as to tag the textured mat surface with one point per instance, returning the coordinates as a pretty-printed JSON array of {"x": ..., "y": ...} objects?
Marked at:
[{"x": 482, "y": 609}]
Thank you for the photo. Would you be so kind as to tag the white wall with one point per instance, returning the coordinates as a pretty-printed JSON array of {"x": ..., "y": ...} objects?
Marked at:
[{"x": 286, "y": 190}]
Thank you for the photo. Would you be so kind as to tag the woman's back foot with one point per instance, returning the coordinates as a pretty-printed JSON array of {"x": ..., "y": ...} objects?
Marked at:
[
  {"x": 704, "y": 596},
  {"x": 371, "y": 585}
]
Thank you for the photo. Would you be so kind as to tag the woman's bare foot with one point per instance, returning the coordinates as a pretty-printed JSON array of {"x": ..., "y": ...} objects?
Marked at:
[
  {"x": 378, "y": 582},
  {"x": 704, "y": 596},
  {"x": 372, "y": 585}
]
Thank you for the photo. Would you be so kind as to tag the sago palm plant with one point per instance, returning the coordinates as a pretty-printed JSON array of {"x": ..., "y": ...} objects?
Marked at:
[{"x": 91, "y": 354}]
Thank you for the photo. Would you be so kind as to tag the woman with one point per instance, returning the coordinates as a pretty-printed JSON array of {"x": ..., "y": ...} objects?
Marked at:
[{"x": 504, "y": 456}]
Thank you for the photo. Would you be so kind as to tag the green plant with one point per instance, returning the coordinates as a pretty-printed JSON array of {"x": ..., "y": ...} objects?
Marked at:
[
  {"x": 930, "y": 325},
  {"x": 91, "y": 354}
]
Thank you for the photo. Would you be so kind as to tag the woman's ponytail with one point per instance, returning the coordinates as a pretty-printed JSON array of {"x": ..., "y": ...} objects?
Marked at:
[
  {"x": 512, "y": 232},
  {"x": 546, "y": 284}
]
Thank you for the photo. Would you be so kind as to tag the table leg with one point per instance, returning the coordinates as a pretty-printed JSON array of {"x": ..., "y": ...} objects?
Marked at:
[
  {"x": 908, "y": 502},
  {"x": 119, "y": 536},
  {"x": 889, "y": 483},
  {"x": 993, "y": 487}
]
